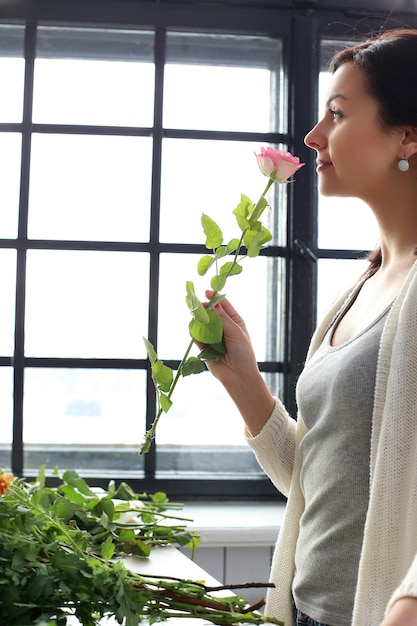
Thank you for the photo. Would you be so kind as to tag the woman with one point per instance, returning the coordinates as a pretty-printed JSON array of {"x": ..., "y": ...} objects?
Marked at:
[{"x": 346, "y": 554}]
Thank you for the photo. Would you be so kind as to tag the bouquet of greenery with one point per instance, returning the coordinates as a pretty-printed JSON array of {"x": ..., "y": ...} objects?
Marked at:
[
  {"x": 205, "y": 326},
  {"x": 60, "y": 556}
]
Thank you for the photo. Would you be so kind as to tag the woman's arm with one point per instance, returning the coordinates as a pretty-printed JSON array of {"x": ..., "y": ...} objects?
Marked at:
[{"x": 271, "y": 432}]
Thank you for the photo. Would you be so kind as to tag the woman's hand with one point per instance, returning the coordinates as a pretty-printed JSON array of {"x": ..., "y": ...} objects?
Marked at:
[
  {"x": 402, "y": 613},
  {"x": 238, "y": 371},
  {"x": 239, "y": 357}
]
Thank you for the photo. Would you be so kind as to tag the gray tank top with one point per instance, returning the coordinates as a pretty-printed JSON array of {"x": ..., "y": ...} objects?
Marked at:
[{"x": 335, "y": 396}]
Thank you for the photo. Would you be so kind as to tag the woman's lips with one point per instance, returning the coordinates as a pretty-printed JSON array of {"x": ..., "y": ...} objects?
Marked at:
[{"x": 323, "y": 165}]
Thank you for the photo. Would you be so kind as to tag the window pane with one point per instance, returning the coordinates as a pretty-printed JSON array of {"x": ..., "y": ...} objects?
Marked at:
[
  {"x": 6, "y": 411},
  {"x": 343, "y": 223},
  {"x": 12, "y": 69},
  {"x": 259, "y": 306},
  {"x": 334, "y": 277},
  {"x": 210, "y": 81},
  {"x": 203, "y": 432},
  {"x": 8, "y": 294},
  {"x": 87, "y": 187},
  {"x": 10, "y": 149},
  {"x": 202, "y": 414},
  {"x": 84, "y": 418},
  {"x": 346, "y": 224},
  {"x": 201, "y": 176},
  {"x": 86, "y": 304},
  {"x": 89, "y": 76}
]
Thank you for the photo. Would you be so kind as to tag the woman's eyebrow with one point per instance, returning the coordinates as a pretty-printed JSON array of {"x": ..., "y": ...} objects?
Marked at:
[{"x": 334, "y": 97}]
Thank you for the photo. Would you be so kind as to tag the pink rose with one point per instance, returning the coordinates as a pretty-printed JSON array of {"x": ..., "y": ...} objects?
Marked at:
[{"x": 277, "y": 164}]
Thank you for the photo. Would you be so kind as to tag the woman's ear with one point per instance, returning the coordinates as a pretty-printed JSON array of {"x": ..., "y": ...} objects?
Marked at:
[{"x": 409, "y": 142}]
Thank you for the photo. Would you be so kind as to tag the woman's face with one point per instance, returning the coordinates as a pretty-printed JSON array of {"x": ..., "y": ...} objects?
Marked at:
[{"x": 355, "y": 155}]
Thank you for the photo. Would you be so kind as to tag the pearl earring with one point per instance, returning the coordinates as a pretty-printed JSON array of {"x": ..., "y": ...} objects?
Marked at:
[{"x": 403, "y": 165}]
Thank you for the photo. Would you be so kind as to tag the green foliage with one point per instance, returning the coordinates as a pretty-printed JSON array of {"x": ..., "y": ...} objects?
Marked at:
[
  {"x": 193, "y": 365},
  {"x": 207, "y": 332},
  {"x": 255, "y": 238},
  {"x": 259, "y": 209},
  {"x": 214, "y": 236},
  {"x": 196, "y": 307},
  {"x": 57, "y": 547},
  {"x": 205, "y": 264},
  {"x": 162, "y": 375},
  {"x": 212, "y": 352},
  {"x": 205, "y": 326},
  {"x": 218, "y": 282}
]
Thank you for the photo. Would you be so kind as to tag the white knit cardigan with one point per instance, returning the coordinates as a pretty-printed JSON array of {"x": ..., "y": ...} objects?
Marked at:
[{"x": 388, "y": 563}]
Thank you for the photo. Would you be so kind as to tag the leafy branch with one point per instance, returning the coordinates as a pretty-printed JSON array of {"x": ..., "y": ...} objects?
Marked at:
[
  {"x": 205, "y": 326},
  {"x": 60, "y": 551}
]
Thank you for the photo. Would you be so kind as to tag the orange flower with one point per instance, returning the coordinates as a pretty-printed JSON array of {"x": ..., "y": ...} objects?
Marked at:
[{"x": 5, "y": 482}]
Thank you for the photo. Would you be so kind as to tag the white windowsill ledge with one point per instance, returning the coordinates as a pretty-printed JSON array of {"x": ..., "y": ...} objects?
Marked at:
[{"x": 232, "y": 524}]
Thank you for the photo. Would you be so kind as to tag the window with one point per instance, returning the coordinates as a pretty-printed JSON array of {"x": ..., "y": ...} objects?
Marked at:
[
  {"x": 113, "y": 165},
  {"x": 116, "y": 121}
]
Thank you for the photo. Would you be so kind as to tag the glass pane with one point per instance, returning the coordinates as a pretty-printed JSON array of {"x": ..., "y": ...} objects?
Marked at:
[
  {"x": 329, "y": 47},
  {"x": 192, "y": 421},
  {"x": 210, "y": 81},
  {"x": 343, "y": 223},
  {"x": 86, "y": 304},
  {"x": 346, "y": 224},
  {"x": 209, "y": 177},
  {"x": 89, "y": 76},
  {"x": 8, "y": 294},
  {"x": 77, "y": 418},
  {"x": 10, "y": 150},
  {"x": 205, "y": 437},
  {"x": 12, "y": 70},
  {"x": 248, "y": 292},
  {"x": 87, "y": 187},
  {"x": 6, "y": 412},
  {"x": 334, "y": 277}
]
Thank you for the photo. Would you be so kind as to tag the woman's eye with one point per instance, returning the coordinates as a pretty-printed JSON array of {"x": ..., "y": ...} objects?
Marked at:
[{"x": 335, "y": 114}]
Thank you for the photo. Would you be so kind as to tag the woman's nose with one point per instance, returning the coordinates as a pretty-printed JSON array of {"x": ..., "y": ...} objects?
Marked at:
[{"x": 315, "y": 138}]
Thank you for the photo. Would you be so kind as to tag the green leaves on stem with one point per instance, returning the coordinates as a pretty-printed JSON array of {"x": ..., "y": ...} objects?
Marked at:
[
  {"x": 60, "y": 558},
  {"x": 205, "y": 326},
  {"x": 255, "y": 235},
  {"x": 57, "y": 546}
]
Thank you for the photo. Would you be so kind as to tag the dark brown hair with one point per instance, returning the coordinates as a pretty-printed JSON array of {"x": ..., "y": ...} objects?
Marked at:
[{"x": 389, "y": 61}]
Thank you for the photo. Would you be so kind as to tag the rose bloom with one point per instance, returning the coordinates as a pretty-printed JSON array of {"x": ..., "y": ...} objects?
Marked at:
[
  {"x": 277, "y": 164},
  {"x": 5, "y": 482}
]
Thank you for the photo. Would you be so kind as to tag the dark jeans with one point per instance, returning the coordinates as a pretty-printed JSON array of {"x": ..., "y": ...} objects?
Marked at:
[{"x": 301, "y": 619}]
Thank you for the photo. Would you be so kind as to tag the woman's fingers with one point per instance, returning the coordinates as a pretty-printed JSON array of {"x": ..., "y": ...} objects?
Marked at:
[{"x": 225, "y": 307}]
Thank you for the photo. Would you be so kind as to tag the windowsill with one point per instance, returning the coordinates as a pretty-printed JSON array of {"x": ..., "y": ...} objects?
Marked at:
[{"x": 231, "y": 524}]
